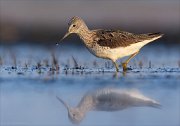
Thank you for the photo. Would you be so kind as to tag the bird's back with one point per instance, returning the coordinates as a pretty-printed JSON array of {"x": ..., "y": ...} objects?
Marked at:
[
  {"x": 117, "y": 38},
  {"x": 110, "y": 99}
]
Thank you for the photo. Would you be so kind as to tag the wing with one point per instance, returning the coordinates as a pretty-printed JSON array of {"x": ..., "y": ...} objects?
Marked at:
[
  {"x": 111, "y": 99},
  {"x": 114, "y": 39}
]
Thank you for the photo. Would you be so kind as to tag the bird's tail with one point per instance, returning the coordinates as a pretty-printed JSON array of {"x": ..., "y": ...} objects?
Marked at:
[
  {"x": 155, "y": 105},
  {"x": 155, "y": 35}
]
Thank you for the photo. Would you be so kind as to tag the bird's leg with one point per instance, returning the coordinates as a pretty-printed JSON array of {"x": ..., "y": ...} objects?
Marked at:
[
  {"x": 117, "y": 68},
  {"x": 127, "y": 61}
]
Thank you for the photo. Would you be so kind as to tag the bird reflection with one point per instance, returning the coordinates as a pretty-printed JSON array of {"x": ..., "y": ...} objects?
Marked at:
[{"x": 107, "y": 99}]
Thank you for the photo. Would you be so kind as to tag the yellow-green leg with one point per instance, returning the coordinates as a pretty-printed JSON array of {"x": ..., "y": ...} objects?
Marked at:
[
  {"x": 116, "y": 65},
  {"x": 127, "y": 61}
]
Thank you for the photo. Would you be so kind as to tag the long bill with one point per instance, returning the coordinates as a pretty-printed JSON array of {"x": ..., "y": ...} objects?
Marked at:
[
  {"x": 63, "y": 102},
  {"x": 65, "y": 36}
]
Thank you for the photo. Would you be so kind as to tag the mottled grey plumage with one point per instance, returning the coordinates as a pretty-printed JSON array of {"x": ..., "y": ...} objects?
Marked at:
[
  {"x": 110, "y": 44},
  {"x": 107, "y": 99},
  {"x": 114, "y": 39}
]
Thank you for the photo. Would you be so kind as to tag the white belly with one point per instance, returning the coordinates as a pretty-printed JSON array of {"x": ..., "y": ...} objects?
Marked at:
[
  {"x": 125, "y": 51},
  {"x": 116, "y": 53}
]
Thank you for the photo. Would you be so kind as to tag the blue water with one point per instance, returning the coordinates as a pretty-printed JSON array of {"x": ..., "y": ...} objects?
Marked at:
[{"x": 28, "y": 97}]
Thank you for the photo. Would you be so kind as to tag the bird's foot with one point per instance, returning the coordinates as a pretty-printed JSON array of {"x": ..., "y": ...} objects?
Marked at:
[
  {"x": 124, "y": 65},
  {"x": 117, "y": 70},
  {"x": 125, "y": 68}
]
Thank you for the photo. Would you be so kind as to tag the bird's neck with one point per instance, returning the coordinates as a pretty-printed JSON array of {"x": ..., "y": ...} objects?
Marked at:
[
  {"x": 86, "y": 104},
  {"x": 86, "y": 35}
]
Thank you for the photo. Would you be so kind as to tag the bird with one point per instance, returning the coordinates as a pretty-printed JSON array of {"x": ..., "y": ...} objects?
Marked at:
[
  {"x": 110, "y": 44},
  {"x": 107, "y": 99}
]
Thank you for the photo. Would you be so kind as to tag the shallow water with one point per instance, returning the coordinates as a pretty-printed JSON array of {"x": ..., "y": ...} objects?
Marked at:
[{"x": 28, "y": 94}]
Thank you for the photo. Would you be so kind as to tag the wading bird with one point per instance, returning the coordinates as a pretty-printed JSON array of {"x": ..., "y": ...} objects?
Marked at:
[
  {"x": 107, "y": 99},
  {"x": 110, "y": 44}
]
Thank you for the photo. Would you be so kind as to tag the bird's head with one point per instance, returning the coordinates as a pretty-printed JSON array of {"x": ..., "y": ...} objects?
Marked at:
[
  {"x": 74, "y": 114},
  {"x": 76, "y": 25}
]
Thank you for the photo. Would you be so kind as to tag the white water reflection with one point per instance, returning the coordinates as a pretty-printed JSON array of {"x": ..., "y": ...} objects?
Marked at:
[
  {"x": 35, "y": 103},
  {"x": 107, "y": 99}
]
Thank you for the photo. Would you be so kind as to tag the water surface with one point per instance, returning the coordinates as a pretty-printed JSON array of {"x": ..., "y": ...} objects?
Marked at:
[{"x": 28, "y": 94}]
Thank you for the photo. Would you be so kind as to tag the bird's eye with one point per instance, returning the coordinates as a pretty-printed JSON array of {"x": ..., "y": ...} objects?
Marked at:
[
  {"x": 74, "y": 25},
  {"x": 73, "y": 114}
]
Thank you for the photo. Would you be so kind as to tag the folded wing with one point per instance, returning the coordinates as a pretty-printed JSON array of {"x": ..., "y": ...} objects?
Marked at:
[{"x": 114, "y": 39}]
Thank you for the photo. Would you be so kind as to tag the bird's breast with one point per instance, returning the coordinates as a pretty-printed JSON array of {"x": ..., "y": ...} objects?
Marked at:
[{"x": 102, "y": 52}]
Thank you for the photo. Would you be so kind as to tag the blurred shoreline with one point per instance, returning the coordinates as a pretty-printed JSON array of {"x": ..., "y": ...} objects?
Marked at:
[
  {"x": 11, "y": 34},
  {"x": 42, "y": 21}
]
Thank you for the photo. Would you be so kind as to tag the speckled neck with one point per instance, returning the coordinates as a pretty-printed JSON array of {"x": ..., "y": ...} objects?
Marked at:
[
  {"x": 86, "y": 104},
  {"x": 86, "y": 35}
]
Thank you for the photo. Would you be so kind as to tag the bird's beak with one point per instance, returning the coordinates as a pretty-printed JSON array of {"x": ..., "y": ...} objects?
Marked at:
[
  {"x": 65, "y": 36},
  {"x": 63, "y": 102}
]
